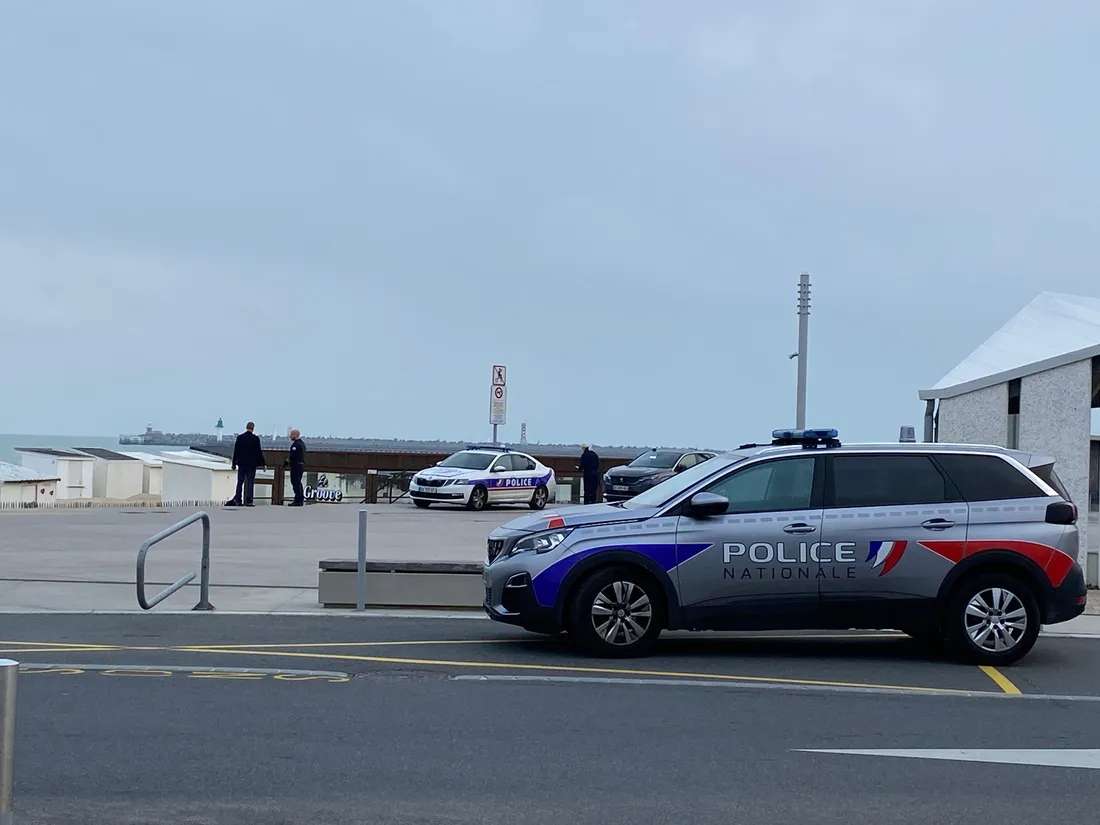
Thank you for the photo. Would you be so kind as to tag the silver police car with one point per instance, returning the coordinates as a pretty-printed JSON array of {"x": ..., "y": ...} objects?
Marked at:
[{"x": 971, "y": 546}]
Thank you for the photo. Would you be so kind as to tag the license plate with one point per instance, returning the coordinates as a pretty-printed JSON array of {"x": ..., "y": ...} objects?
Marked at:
[{"x": 618, "y": 488}]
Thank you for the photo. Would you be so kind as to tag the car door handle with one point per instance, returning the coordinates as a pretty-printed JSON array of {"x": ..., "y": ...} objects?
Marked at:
[
  {"x": 800, "y": 527},
  {"x": 937, "y": 524}
]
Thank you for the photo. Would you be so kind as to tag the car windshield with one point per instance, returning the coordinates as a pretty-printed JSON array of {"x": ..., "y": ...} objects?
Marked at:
[
  {"x": 659, "y": 461},
  {"x": 667, "y": 490},
  {"x": 468, "y": 461}
]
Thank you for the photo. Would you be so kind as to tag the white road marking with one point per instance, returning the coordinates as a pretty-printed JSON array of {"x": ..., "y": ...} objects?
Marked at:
[{"x": 1088, "y": 758}]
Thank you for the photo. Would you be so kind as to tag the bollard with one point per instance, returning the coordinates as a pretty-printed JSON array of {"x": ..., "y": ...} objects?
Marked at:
[
  {"x": 360, "y": 572},
  {"x": 9, "y": 674}
]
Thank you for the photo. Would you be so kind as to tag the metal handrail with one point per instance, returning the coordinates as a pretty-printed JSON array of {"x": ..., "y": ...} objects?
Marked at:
[{"x": 204, "y": 581}]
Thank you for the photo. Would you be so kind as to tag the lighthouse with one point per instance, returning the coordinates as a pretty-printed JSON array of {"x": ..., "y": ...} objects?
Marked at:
[{"x": 220, "y": 426}]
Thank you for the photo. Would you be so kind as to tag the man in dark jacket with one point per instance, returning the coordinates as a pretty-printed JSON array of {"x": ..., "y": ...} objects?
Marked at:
[
  {"x": 590, "y": 468},
  {"x": 297, "y": 462},
  {"x": 248, "y": 456}
]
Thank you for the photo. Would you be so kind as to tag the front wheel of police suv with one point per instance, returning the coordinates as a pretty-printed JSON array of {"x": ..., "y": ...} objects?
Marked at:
[
  {"x": 616, "y": 612},
  {"x": 540, "y": 497}
]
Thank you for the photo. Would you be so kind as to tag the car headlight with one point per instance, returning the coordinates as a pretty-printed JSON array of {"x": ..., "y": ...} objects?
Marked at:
[{"x": 540, "y": 542}]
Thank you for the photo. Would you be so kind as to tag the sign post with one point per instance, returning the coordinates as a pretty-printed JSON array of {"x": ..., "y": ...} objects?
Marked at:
[{"x": 498, "y": 398}]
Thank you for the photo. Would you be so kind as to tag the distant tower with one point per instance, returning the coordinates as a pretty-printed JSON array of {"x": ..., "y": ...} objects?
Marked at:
[
  {"x": 523, "y": 433},
  {"x": 220, "y": 426}
]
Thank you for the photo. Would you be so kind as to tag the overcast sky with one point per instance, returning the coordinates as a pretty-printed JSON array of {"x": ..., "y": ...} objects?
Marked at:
[{"x": 339, "y": 215}]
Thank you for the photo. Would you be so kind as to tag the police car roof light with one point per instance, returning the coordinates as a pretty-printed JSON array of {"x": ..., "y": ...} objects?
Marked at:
[
  {"x": 486, "y": 447},
  {"x": 808, "y": 438}
]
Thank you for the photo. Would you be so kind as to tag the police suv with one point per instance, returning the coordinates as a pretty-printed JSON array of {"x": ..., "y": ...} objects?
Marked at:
[
  {"x": 479, "y": 476},
  {"x": 972, "y": 546}
]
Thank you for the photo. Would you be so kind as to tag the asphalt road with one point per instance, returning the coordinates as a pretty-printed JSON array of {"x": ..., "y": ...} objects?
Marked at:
[{"x": 125, "y": 720}]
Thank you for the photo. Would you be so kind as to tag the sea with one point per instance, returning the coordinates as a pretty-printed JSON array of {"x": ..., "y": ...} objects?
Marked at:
[{"x": 9, "y": 441}]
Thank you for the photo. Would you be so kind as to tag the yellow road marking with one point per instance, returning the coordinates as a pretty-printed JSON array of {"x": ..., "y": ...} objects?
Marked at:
[
  {"x": 310, "y": 645},
  {"x": 60, "y": 650},
  {"x": 1002, "y": 681},
  {"x": 48, "y": 646},
  {"x": 225, "y": 675},
  {"x": 723, "y": 677}
]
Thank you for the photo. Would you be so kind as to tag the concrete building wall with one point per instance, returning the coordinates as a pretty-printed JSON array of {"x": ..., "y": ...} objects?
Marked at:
[
  {"x": 979, "y": 417},
  {"x": 75, "y": 473},
  {"x": 18, "y": 493},
  {"x": 120, "y": 479},
  {"x": 1056, "y": 419},
  {"x": 193, "y": 482},
  {"x": 152, "y": 479}
]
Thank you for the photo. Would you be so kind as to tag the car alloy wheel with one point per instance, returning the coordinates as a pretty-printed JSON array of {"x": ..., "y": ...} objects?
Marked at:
[
  {"x": 479, "y": 498},
  {"x": 996, "y": 619},
  {"x": 992, "y": 619},
  {"x": 622, "y": 613},
  {"x": 538, "y": 500}
]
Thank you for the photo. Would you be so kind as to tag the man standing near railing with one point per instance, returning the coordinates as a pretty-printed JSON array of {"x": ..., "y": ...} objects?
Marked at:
[
  {"x": 589, "y": 465},
  {"x": 248, "y": 457},
  {"x": 297, "y": 463}
]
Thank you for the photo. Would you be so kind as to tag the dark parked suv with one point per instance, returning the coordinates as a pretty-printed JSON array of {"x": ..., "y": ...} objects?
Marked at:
[{"x": 648, "y": 470}]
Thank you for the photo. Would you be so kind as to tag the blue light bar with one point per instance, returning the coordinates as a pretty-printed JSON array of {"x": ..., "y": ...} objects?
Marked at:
[{"x": 804, "y": 435}]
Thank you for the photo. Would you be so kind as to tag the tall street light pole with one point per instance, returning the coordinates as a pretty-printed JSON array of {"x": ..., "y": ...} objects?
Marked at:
[{"x": 803, "y": 347}]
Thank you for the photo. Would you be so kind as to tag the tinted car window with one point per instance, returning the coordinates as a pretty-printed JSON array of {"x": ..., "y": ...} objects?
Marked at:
[
  {"x": 987, "y": 478},
  {"x": 785, "y": 484},
  {"x": 467, "y": 461},
  {"x": 523, "y": 463},
  {"x": 884, "y": 480},
  {"x": 687, "y": 461}
]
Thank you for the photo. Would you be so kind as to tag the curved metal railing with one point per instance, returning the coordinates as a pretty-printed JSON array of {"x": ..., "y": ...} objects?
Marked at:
[{"x": 204, "y": 569}]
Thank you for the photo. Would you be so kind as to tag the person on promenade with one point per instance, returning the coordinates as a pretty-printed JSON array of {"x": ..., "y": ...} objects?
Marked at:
[
  {"x": 248, "y": 457},
  {"x": 589, "y": 466},
  {"x": 297, "y": 463}
]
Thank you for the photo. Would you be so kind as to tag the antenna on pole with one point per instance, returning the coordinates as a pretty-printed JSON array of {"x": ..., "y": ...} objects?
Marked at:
[{"x": 803, "y": 347}]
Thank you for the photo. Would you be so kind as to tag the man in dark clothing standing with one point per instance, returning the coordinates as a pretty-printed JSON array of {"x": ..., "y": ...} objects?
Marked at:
[
  {"x": 590, "y": 468},
  {"x": 248, "y": 456},
  {"x": 297, "y": 463}
]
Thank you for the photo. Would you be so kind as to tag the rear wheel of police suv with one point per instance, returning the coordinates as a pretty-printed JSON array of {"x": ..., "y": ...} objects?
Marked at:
[
  {"x": 479, "y": 498},
  {"x": 616, "y": 612},
  {"x": 992, "y": 619},
  {"x": 540, "y": 497}
]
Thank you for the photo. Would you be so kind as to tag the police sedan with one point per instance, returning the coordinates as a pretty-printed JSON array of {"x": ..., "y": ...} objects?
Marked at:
[{"x": 481, "y": 476}]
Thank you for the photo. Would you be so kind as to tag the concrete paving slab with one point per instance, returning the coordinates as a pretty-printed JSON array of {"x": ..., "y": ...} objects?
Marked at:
[{"x": 85, "y": 559}]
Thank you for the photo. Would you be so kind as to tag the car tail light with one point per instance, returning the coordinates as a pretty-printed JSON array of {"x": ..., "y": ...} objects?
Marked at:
[
  {"x": 1061, "y": 512},
  {"x": 1082, "y": 599}
]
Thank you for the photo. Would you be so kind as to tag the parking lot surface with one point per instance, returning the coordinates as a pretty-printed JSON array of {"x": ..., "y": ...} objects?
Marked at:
[{"x": 233, "y": 719}]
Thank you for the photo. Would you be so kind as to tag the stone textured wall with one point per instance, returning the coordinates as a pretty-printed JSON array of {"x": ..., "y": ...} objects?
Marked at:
[
  {"x": 1056, "y": 419},
  {"x": 979, "y": 417}
]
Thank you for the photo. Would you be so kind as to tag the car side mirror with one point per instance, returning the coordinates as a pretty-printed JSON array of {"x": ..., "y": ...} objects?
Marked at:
[
  {"x": 680, "y": 468},
  {"x": 497, "y": 469},
  {"x": 705, "y": 505}
]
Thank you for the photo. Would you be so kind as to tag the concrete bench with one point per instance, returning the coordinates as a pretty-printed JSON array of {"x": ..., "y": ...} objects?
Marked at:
[{"x": 402, "y": 584}]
